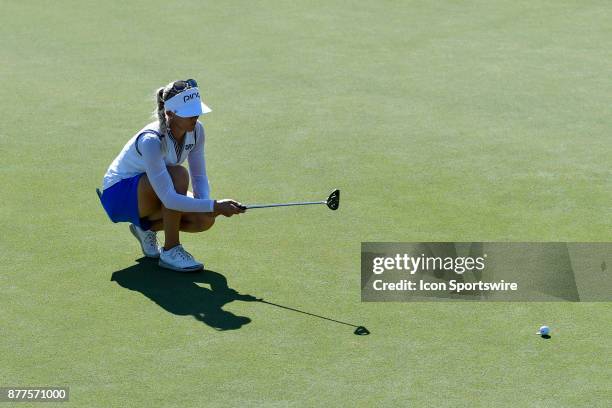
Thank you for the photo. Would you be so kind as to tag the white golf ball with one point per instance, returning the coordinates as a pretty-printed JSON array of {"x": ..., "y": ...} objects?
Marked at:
[{"x": 544, "y": 330}]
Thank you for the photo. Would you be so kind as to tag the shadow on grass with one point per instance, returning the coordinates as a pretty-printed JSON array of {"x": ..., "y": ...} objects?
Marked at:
[
  {"x": 545, "y": 336},
  {"x": 180, "y": 294}
]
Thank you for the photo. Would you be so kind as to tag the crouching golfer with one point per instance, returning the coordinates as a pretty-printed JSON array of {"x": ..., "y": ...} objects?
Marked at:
[{"x": 147, "y": 186}]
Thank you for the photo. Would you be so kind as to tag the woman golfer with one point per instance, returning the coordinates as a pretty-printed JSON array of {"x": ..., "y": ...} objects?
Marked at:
[{"x": 147, "y": 186}]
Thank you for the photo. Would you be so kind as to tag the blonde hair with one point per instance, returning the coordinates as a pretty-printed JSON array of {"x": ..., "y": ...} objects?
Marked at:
[{"x": 161, "y": 95}]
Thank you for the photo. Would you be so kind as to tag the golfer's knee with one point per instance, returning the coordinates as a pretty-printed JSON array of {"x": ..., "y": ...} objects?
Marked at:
[
  {"x": 180, "y": 178},
  {"x": 204, "y": 222}
]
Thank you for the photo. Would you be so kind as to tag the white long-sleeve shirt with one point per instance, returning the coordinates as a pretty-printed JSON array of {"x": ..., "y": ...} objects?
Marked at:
[{"x": 150, "y": 152}]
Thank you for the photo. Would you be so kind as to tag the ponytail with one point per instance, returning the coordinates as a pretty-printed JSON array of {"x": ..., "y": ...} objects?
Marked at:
[
  {"x": 160, "y": 112},
  {"x": 161, "y": 95}
]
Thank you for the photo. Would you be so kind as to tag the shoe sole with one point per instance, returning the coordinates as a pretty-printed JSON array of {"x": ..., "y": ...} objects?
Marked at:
[
  {"x": 135, "y": 234},
  {"x": 174, "y": 268}
]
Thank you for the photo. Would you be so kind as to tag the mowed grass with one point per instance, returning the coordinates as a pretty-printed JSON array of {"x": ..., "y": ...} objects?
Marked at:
[{"x": 458, "y": 121}]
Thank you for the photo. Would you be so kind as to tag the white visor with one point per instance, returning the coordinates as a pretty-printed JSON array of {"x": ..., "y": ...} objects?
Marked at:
[{"x": 187, "y": 104}]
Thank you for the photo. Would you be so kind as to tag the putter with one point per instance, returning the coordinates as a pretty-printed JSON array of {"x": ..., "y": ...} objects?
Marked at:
[{"x": 332, "y": 202}]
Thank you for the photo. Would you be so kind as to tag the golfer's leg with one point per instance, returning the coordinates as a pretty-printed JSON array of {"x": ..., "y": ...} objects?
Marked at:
[
  {"x": 172, "y": 218},
  {"x": 197, "y": 222},
  {"x": 150, "y": 207},
  {"x": 157, "y": 224},
  {"x": 190, "y": 222}
]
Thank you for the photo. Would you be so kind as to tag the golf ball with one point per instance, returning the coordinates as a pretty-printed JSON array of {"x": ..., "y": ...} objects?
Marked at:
[{"x": 544, "y": 330}]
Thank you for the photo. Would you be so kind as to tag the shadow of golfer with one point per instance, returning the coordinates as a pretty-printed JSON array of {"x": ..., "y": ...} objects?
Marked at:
[{"x": 180, "y": 294}]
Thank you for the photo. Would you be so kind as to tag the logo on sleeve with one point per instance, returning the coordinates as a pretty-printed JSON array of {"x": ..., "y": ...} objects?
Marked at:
[{"x": 188, "y": 146}]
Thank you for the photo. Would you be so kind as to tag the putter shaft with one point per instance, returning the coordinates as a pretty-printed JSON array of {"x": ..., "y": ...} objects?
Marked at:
[{"x": 284, "y": 204}]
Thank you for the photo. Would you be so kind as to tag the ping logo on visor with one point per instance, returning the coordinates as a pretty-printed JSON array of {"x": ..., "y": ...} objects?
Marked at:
[
  {"x": 191, "y": 96},
  {"x": 187, "y": 104}
]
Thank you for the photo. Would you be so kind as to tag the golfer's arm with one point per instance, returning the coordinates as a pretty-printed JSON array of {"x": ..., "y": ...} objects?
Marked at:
[
  {"x": 161, "y": 181},
  {"x": 197, "y": 171}
]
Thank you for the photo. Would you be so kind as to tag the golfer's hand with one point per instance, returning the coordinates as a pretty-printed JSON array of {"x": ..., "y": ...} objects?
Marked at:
[{"x": 228, "y": 207}]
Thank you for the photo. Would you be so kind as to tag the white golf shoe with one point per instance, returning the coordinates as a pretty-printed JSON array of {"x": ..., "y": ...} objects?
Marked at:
[
  {"x": 178, "y": 259},
  {"x": 147, "y": 239}
]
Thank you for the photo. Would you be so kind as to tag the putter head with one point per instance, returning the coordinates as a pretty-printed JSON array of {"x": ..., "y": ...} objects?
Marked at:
[
  {"x": 361, "y": 331},
  {"x": 333, "y": 201}
]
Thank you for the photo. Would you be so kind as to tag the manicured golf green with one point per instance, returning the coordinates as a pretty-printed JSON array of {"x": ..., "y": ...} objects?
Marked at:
[{"x": 439, "y": 121}]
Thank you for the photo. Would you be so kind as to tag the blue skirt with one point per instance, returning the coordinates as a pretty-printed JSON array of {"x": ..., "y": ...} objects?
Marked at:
[{"x": 120, "y": 201}]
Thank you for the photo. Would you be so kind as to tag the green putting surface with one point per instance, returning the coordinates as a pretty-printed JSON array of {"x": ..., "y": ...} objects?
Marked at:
[{"x": 439, "y": 121}]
